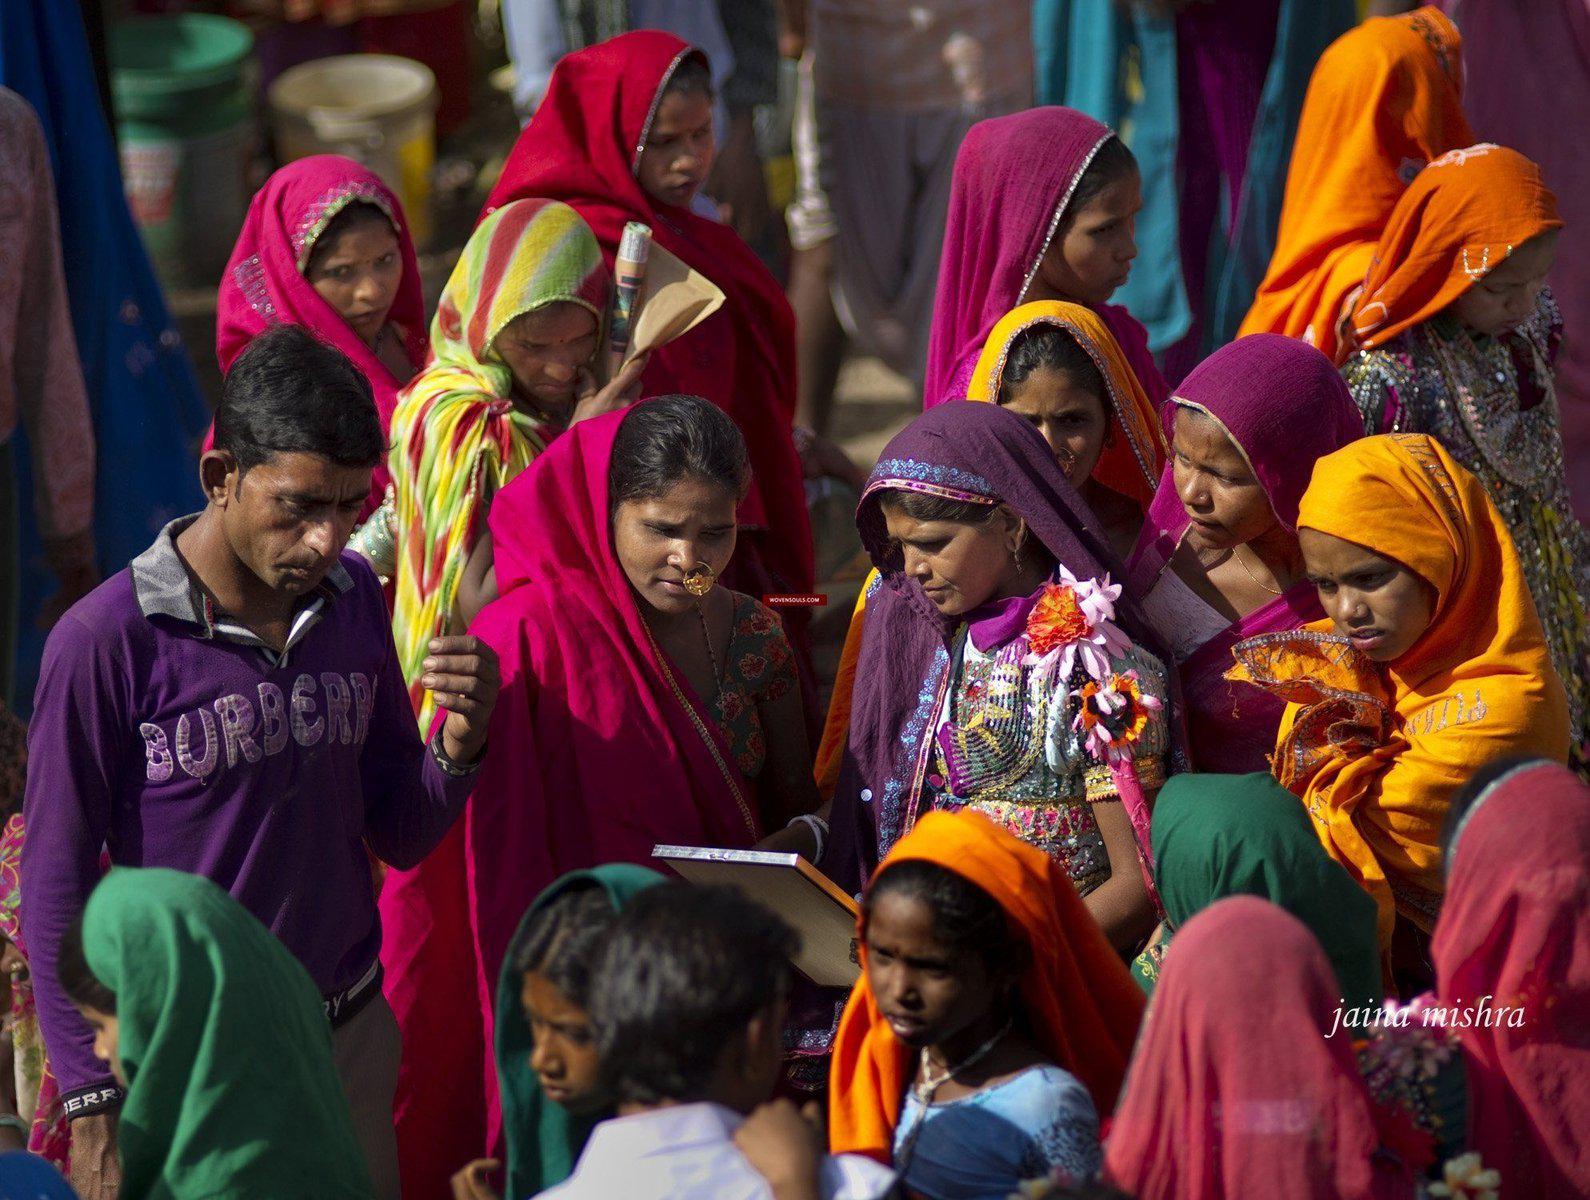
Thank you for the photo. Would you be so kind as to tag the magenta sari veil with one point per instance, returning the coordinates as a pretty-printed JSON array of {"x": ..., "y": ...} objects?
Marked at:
[
  {"x": 1285, "y": 406},
  {"x": 1014, "y": 177},
  {"x": 264, "y": 282},
  {"x": 599, "y": 751}
]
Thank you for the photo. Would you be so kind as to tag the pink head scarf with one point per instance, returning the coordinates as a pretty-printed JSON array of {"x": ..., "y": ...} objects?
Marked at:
[
  {"x": 599, "y": 751},
  {"x": 1514, "y": 927},
  {"x": 1014, "y": 177},
  {"x": 1235, "y": 1090},
  {"x": 264, "y": 282}
]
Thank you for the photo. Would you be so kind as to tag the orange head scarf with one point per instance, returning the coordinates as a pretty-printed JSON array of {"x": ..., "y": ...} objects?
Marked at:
[
  {"x": 1081, "y": 1005},
  {"x": 1461, "y": 218},
  {"x": 1377, "y": 752},
  {"x": 1383, "y": 101},
  {"x": 1134, "y": 454}
]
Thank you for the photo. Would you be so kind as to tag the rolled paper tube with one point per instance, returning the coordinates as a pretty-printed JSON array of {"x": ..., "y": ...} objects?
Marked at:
[{"x": 629, "y": 271}]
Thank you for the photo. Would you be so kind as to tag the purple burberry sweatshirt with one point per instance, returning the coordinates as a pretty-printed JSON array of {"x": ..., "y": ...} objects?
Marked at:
[{"x": 173, "y": 738}]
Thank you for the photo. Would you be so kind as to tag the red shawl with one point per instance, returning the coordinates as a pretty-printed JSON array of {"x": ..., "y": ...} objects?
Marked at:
[
  {"x": 1514, "y": 928},
  {"x": 1235, "y": 1088},
  {"x": 582, "y": 147},
  {"x": 598, "y": 751},
  {"x": 264, "y": 283}
]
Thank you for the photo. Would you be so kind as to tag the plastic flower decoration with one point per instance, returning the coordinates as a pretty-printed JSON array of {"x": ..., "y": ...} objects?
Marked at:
[
  {"x": 1074, "y": 621},
  {"x": 1113, "y": 715},
  {"x": 1467, "y": 1178}
]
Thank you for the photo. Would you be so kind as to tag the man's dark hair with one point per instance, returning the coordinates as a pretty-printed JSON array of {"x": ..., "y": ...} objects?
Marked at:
[
  {"x": 683, "y": 971},
  {"x": 289, "y": 392}
]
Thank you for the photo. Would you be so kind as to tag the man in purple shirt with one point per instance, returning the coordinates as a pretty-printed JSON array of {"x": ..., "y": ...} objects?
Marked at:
[{"x": 231, "y": 705}]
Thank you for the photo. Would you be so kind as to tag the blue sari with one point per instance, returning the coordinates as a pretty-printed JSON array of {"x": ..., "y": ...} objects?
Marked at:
[{"x": 148, "y": 411}]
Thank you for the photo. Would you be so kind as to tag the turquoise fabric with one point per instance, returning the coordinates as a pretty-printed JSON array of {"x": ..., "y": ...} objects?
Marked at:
[{"x": 1120, "y": 67}]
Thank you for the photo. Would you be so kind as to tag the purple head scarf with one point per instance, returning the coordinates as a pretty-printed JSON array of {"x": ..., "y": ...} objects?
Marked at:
[
  {"x": 959, "y": 450},
  {"x": 1014, "y": 177},
  {"x": 1285, "y": 406}
]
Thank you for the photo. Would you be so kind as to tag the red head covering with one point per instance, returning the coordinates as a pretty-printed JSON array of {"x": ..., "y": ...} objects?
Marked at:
[
  {"x": 264, "y": 282},
  {"x": 1235, "y": 1089},
  {"x": 1514, "y": 928},
  {"x": 1080, "y": 1004},
  {"x": 583, "y": 147}
]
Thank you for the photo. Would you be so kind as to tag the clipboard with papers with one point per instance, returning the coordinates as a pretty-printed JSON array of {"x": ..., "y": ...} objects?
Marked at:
[{"x": 821, "y": 913}]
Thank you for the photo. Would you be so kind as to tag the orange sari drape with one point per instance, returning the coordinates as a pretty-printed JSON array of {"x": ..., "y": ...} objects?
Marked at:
[
  {"x": 1079, "y": 1001},
  {"x": 1384, "y": 100},
  {"x": 1378, "y": 751}
]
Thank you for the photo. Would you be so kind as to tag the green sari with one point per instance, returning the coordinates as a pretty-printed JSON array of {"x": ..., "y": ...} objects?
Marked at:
[
  {"x": 544, "y": 1139},
  {"x": 1229, "y": 835},
  {"x": 225, "y": 1049}
]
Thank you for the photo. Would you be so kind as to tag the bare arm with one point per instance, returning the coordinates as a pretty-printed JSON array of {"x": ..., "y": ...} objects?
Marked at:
[
  {"x": 787, "y": 774},
  {"x": 1120, "y": 904},
  {"x": 478, "y": 585}
]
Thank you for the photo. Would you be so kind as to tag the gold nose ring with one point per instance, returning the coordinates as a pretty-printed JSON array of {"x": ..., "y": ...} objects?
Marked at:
[{"x": 699, "y": 579}]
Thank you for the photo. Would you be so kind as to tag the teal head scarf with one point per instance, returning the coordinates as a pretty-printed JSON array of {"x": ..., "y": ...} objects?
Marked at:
[
  {"x": 1229, "y": 835},
  {"x": 544, "y": 1139},
  {"x": 225, "y": 1047}
]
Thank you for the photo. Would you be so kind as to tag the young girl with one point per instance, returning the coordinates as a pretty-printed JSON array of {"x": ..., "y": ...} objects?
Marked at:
[
  {"x": 1430, "y": 664},
  {"x": 624, "y": 133},
  {"x": 1456, "y": 336},
  {"x": 1042, "y": 207},
  {"x": 325, "y": 245},
  {"x": 990, "y": 1027},
  {"x": 1000, "y": 668},
  {"x": 547, "y": 1070},
  {"x": 636, "y": 711},
  {"x": 1218, "y": 560},
  {"x": 220, "y": 1040}
]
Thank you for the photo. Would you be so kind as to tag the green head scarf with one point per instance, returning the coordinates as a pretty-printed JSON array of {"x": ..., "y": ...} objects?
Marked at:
[
  {"x": 1232, "y": 835},
  {"x": 225, "y": 1048},
  {"x": 544, "y": 1139}
]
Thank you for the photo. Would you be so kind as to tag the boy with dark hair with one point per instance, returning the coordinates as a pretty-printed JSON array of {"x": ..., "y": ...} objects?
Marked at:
[
  {"x": 688, "y": 1003},
  {"x": 231, "y": 705}
]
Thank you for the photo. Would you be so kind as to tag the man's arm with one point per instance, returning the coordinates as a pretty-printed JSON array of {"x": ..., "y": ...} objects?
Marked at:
[
  {"x": 412, "y": 794},
  {"x": 78, "y": 741}
]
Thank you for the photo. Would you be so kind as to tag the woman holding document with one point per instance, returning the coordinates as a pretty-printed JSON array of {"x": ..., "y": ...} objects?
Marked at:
[{"x": 644, "y": 703}]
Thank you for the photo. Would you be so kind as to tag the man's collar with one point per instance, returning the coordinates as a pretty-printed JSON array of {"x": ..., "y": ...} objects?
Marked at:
[{"x": 164, "y": 587}]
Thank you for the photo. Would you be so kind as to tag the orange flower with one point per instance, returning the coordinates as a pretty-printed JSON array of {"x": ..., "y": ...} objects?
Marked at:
[{"x": 1056, "y": 620}]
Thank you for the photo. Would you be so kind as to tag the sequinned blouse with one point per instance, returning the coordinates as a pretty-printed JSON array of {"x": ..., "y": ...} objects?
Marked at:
[
  {"x": 1492, "y": 403},
  {"x": 1009, "y": 746}
]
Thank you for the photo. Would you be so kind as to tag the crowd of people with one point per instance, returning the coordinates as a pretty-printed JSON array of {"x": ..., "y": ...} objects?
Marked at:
[{"x": 1207, "y": 757}]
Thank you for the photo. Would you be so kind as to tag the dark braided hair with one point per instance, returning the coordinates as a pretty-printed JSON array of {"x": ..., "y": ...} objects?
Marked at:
[{"x": 1047, "y": 345}]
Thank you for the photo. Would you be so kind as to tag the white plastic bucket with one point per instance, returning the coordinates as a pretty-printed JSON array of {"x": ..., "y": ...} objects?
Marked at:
[{"x": 376, "y": 108}]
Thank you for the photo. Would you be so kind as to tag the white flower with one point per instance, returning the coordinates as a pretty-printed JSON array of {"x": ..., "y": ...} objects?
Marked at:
[{"x": 1466, "y": 1178}]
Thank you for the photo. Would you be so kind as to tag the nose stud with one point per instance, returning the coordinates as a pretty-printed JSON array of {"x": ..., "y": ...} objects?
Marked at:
[{"x": 699, "y": 579}]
